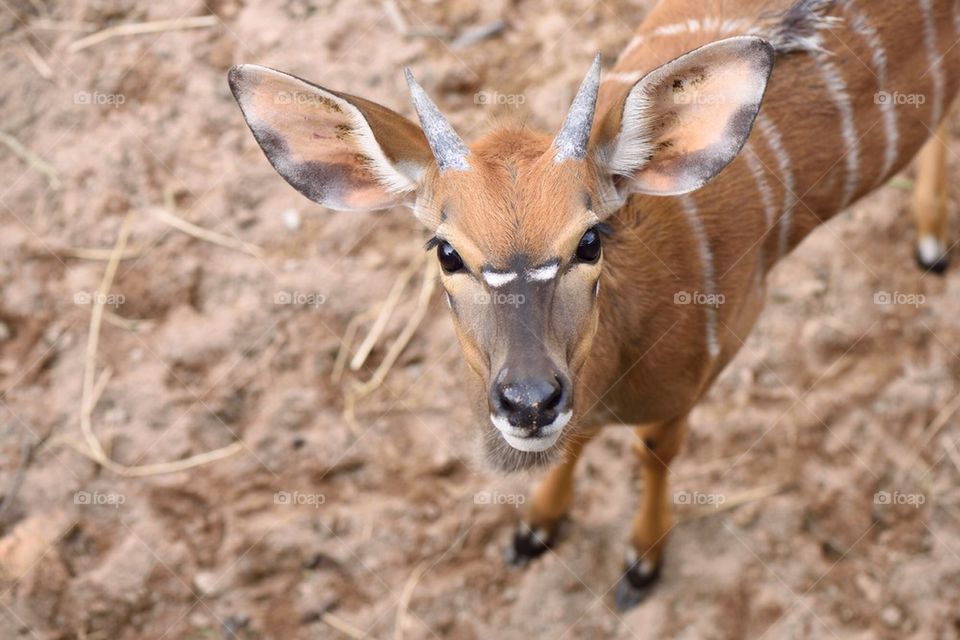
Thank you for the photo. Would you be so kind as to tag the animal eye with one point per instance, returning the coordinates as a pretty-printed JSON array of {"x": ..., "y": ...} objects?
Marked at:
[
  {"x": 589, "y": 248},
  {"x": 449, "y": 259}
]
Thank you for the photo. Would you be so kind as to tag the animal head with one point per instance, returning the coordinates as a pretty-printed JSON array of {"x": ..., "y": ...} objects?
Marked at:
[{"x": 517, "y": 217}]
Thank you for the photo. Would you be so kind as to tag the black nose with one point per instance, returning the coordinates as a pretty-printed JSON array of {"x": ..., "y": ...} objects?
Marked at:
[{"x": 530, "y": 402}]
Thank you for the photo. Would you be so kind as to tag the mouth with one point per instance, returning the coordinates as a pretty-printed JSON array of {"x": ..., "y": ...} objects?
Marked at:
[{"x": 540, "y": 440}]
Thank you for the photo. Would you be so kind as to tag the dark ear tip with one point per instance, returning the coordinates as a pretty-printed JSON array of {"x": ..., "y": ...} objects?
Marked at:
[
  {"x": 766, "y": 48},
  {"x": 241, "y": 77},
  {"x": 234, "y": 77}
]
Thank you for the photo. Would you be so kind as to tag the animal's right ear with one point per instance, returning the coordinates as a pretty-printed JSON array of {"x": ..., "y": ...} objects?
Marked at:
[{"x": 339, "y": 150}]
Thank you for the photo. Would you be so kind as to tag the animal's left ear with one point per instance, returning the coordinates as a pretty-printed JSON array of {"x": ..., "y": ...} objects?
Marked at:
[{"x": 682, "y": 123}]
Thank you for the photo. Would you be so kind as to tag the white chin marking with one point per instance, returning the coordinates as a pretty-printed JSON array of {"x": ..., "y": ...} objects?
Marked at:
[
  {"x": 518, "y": 439},
  {"x": 929, "y": 249},
  {"x": 532, "y": 444}
]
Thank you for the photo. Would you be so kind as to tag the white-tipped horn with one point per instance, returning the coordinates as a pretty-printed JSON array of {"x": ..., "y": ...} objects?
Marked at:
[
  {"x": 449, "y": 151},
  {"x": 571, "y": 141}
]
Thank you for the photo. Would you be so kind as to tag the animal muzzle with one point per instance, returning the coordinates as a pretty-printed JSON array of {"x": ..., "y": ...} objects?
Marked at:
[{"x": 530, "y": 411}]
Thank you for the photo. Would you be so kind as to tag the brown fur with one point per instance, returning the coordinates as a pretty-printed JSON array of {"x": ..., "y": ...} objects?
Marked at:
[
  {"x": 649, "y": 363},
  {"x": 632, "y": 354}
]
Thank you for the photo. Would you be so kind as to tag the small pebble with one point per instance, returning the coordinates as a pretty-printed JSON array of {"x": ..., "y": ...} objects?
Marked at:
[
  {"x": 207, "y": 583},
  {"x": 891, "y": 616},
  {"x": 291, "y": 219},
  {"x": 5, "y": 332}
]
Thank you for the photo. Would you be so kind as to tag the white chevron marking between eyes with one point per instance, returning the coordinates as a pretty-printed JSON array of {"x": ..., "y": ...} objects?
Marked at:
[
  {"x": 498, "y": 279},
  {"x": 545, "y": 272}
]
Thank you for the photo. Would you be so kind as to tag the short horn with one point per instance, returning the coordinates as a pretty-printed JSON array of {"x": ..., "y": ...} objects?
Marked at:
[
  {"x": 571, "y": 140},
  {"x": 449, "y": 151}
]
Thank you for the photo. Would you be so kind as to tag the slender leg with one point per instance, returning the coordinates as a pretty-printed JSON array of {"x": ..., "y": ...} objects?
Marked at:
[
  {"x": 930, "y": 201},
  {"x": 549, "y": 502},
  {"x": 656, "y": 447}
]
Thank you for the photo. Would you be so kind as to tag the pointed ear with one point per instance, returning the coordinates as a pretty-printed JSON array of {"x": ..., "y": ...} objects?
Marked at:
[
  {"x": 339, "y": 150},
  {"x": 682, "y": 123}
]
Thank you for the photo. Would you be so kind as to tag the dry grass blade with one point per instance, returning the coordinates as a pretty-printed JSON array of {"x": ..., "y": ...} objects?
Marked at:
[
  {"x": 205, "y": 234},
  {"x": 26, "y": 449},
  {"x": 423, "y": 303},
  {"x": 737, "y": 500},
  {"x": 33, "y": 160},
  {"x": 395, "y": 16},
  {"x": 349, "y": 335},
  {"x": 93, "y": 388},
  {"x": 931, "y": 431},
  {"x": 85, "y": 253},
  {"x": 342, "y": 626},
  {"x": 478, "y": 33},
  {"x": 403, "y": 605},
  {"x": 37, "y": 61},
  {"x": 88, "y": 399},
  {"x": 127, "y": 324},
  {"x": 141, "y": 28},
  {"x": 386, "y": 311},
  {"x": 952, "y": 452},
  {"x": 44, "y": 24}
]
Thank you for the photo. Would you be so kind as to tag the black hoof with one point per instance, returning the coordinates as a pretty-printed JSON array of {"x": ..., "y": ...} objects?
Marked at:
[
  {"x": 528, "y": 544},
  {"x": 635, "y": 584},
  {"x": 938, "y": 266}
]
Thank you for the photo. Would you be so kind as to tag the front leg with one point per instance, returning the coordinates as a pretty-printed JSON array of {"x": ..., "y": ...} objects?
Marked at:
[
  {"x": 656, "y": 447},
  {"x": 549, "y": 502}
]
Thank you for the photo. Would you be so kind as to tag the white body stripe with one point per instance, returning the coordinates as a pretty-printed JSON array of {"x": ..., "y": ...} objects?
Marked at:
[
  {"x": 837, "y": 88},
  {"x": 706, "y": 25},
  {"x": 766, "y": 198},
  {"x": 888, "y": 110},
  {"x": 766, "y": 193},
  {"x": 770, "y": 133},
  {"x": 709, "y": 278},
  {"x": 956, "y": 17},
  {"x": 498, "y": 279},
  {"x": 626, "y": 77},
  {"x": 933, "y": 59}
]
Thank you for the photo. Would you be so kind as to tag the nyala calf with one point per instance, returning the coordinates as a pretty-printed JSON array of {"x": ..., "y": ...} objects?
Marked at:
[{"x": 727, "y": 131}]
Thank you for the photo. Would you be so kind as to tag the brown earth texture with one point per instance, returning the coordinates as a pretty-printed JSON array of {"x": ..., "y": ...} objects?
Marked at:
[{"x": 817, "y": 496}]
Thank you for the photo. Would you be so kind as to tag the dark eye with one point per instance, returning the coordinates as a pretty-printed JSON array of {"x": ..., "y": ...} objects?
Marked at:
[
  {"x": 449, "y": 259},
  {"x": 589, "y": 248}
]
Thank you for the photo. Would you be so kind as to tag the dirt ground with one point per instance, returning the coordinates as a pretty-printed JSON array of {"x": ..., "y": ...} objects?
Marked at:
[{"x": 817, "y": 497}]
